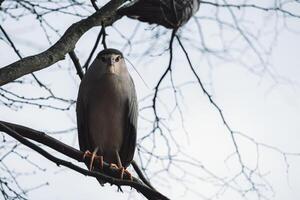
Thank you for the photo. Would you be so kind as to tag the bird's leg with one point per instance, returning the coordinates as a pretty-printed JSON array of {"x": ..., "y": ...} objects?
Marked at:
[
  {"x": 100, "y": 159},
  {"x": 86, "y": 154},
  {"x": 93, "y": 156},
  {"x": 120, "y": 167}
]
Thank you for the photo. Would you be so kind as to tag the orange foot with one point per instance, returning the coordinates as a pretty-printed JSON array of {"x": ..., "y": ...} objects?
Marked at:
[
  {"x": 122, "y": 171},
  {"x": 93, "y": 157}
]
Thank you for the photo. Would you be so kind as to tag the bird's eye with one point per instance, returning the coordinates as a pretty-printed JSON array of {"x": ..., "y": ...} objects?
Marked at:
[
  {"x": 102, "y": 59},
  {"x": 117, "y": 59}
]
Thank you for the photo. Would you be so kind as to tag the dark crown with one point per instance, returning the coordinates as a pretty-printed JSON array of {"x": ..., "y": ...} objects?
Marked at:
[{"x": 110, "y": 51}]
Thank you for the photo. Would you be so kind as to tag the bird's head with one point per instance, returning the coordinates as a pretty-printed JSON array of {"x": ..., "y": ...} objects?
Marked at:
[{"x": 112, "y": 60}]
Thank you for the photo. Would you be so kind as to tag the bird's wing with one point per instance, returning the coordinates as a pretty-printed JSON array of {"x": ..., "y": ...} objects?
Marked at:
[
  {"x": 146, "y": 11},
  {"x": 129, "y": 137},
  {"x": 82, "y": 124},
  {"x": 160, "y": 12}
]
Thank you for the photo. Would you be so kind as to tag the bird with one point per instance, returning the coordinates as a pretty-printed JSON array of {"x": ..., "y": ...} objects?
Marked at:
[
  {"x": 171, "y": 14},
  {"x": 107, "y": 111}
]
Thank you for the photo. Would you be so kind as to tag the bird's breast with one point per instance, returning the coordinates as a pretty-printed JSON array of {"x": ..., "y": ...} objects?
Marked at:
[{"x": 107, "y": 106}]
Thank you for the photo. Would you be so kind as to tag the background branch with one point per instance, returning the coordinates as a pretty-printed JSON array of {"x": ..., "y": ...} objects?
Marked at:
[
  {"x": 179, "y": 128},
  {"x": 65, "y": 44},
  {"x": 76, "y": 64}
]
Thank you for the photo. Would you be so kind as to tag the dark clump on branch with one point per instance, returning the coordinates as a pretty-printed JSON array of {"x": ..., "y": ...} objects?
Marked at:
[{"x": 168, "y": 13}]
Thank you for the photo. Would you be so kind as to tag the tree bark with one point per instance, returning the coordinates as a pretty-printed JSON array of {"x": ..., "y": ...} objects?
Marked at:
[
  {"x": 105, "y": 15},
  {"x": 109, "y": 174}
]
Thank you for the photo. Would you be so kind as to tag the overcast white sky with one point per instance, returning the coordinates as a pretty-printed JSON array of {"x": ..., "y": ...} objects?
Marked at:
[{"x": 252, "y": 104}]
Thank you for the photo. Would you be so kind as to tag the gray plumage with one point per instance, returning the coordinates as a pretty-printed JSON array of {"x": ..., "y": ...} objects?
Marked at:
[
  {"x": 107, "y": 109},
  {"x": 168, "y": 13}
]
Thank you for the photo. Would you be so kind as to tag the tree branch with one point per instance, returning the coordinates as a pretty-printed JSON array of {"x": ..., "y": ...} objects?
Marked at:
[
  {"x": 85, "y": 66},
  {"x": 76, "y": 64},
  {"x": 141, "y": 175},
  {"x": 64, "y": 45},
  {"x": 20, "y": 133}
]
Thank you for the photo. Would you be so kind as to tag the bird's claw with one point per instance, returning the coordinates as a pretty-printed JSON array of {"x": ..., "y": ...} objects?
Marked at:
[
  {"x": 86, "y": 154},
  {"x": 113, "y": 165},
  {"x": 122, "y": 171},
  {"x": 93, "y": 156},
  {"x": 128, "y": 174}
]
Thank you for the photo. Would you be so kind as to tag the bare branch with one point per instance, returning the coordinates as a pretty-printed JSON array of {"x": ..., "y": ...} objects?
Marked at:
[
  {"x": 244, "y": 168},
  {"x": 156, "y": 89},
  {"x": 254, "y": 6},
  {"x": 66, "y": 44},
  {"x": 76, "y": 64},
  {"x": 101, "y": 33},
  {"x": 20, "y": 133},
  {"x": 141, "y": 175}
]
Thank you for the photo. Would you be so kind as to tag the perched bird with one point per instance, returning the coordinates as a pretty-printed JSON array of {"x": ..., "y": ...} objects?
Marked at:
[
  {"x": 168, "y": 13},
  {"x": 107, "y": 110}
]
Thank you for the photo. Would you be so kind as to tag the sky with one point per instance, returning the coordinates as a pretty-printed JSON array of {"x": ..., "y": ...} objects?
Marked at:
[{"x": 263, "y": 105}]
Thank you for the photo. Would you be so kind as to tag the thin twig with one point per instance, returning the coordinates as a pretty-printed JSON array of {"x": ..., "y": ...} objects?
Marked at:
[
  {"x": 141, "y": 175},
  {"x": 103, "y": 36},
  {"x": 94, "y": 4},
  {"x": 76, "y": 64},
  {"x": 20, "y": 56},
  {"x": 85, "y": 66},
  {"x": 156, "y": 89}
]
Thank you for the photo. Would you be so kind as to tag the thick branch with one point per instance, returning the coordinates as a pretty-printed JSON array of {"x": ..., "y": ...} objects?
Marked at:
[
  {"x": 66, "y": 44},
  {"x": 20, "y": 133},
  {"x": 43, "y": 138}
]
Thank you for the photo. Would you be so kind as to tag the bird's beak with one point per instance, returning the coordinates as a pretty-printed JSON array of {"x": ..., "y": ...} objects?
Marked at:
[{"x": 110, "y": 62}]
